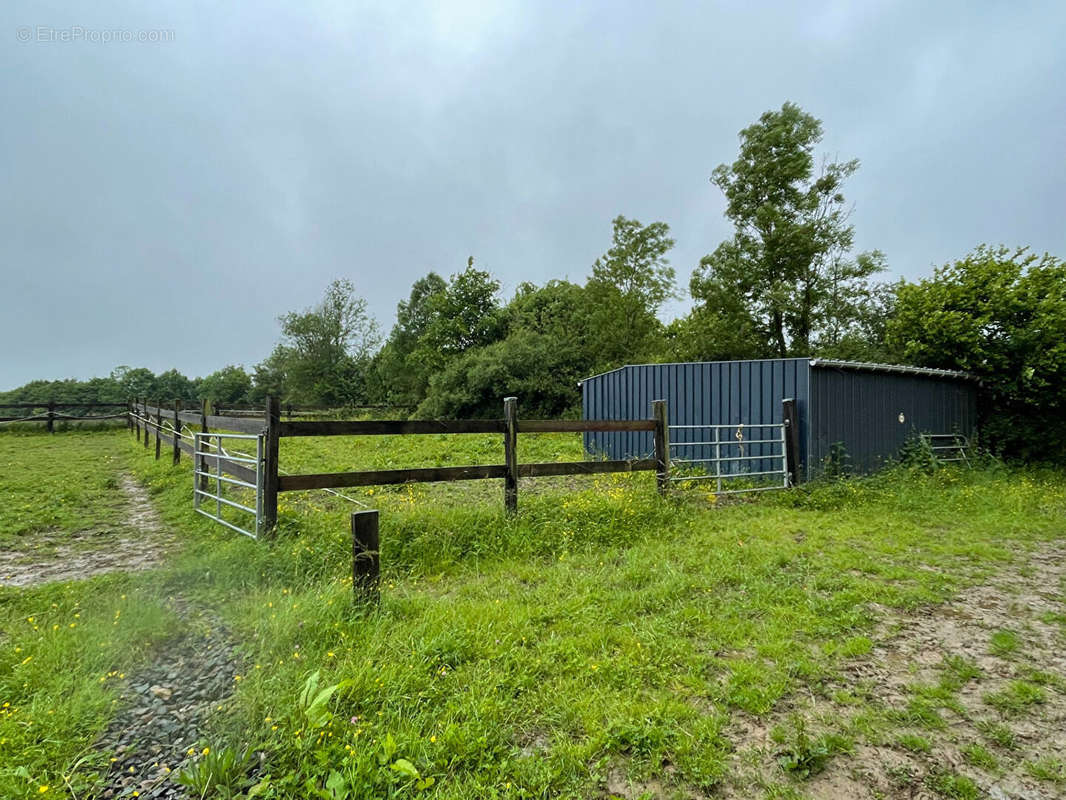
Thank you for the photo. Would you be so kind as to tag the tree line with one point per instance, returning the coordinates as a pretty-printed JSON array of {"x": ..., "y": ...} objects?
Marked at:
[{"x": 787, "y": 282}]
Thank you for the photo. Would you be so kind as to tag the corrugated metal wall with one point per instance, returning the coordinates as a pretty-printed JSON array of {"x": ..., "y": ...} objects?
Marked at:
[
  {"x": 860, "y": 410},
  {"x": 716, "y": 392}
]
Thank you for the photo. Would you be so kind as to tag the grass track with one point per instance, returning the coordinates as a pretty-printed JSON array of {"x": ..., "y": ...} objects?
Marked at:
[{"x": 601, "y": 631}]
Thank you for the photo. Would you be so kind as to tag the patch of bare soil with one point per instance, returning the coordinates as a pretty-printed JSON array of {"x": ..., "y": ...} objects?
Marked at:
[
  {"x": 998, "y": 647},
  {"x": 141, "y": 544}
]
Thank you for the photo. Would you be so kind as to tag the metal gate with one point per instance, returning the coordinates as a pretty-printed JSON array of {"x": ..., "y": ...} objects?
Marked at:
[
  {"x": 738, "y": 458},
  {"x": 947, "y": 446},
  {"x": 215, "y": 468}
]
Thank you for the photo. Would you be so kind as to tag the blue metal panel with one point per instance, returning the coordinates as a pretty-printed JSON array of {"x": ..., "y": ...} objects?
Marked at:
[
  {"x": 860, "y": 411},
  {"x": 707, "y": 393}
]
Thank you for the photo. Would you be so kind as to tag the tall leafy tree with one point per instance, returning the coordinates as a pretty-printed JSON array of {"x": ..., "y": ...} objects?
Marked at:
[
  {"x": 1000, "y": 314},
  {"x": 172, "y": 385},
  {"x": 325, "y": 350},
  {"x": 229, "y": 385},
  {"x": 463, "y": 316},
  {"x": 788, "y": 264},
  {"x": 628, "y": 285},
  {"x": 399, "y": 378}
]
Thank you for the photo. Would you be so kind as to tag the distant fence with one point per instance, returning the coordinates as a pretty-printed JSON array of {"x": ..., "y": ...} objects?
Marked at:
[
  {"x": 292, "y": 410},
  {"x": 51, "y": 410},
  {"x": 171, "y": 425}
]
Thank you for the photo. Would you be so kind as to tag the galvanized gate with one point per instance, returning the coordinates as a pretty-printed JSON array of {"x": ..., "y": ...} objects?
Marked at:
[
  {"x": 210, "y": 461},
  {"x": 947, "y": 447},
  {"x": 738, "y": 458}
]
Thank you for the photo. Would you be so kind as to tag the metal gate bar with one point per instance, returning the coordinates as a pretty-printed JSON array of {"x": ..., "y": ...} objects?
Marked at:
[
  {"x": 721, "y": 441},
  {"x": 959, "y": 444},
  {"x": 202, "y": 474}
]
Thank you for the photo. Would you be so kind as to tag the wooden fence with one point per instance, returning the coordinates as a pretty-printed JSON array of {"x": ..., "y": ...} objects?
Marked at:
[
  {"x": 167, "y": 426},
  {"x": 50, "y": 410}
]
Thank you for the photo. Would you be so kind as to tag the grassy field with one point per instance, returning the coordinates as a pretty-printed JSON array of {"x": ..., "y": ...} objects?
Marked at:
[{"x": 604, "y": 642}]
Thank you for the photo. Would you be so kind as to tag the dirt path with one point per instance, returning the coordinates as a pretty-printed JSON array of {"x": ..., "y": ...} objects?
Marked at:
[
  {"x": 142, "y": 544},
  {"x": 164, "y": 707},
  {"x": 962, "y": 700}
]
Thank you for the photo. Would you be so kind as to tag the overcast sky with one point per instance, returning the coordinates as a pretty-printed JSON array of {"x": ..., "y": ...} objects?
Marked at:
[{"x": 164, "y": 201}]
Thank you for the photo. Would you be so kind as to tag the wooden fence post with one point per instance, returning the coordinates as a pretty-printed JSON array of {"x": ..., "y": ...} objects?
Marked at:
[
  {"x": 791, "y": 420},
  {"x": 147, "y": 419},
  {"x": 129, "y": 415},
  {"x": 136, "y": 419},
  {"x": 51, "y": 416},
  {"x": 176, "y": 457},
  {"x": 662, "y": 445},
  {"x": 203, "y": 442},
  {"x": 366, "y": 559},
  {"x": 158, "y": 428},
  {"x": 510, "y": 454},
  {"x": 270, "y": 466}
]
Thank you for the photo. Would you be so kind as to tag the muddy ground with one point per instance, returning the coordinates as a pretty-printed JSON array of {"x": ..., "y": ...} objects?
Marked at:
[
  {"x": 140, "y": 543},
  {"x": 998, "y": 648}
]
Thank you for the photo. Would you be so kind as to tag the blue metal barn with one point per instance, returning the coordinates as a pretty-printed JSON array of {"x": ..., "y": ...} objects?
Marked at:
[{"x": 868, "y": 410}]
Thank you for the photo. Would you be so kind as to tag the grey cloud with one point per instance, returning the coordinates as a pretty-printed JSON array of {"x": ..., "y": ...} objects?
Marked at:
[{"x": 164, "y": 202}]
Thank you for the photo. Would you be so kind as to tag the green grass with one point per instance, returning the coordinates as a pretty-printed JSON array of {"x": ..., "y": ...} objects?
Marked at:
[
  {"x": 63, "y": 647},
  {"x": 1016, "y": 697},
  {"x": 980, "y": 756},
  {"x": 998, "y": 734},
  {"x": 65, "y": 482},
  {"x": 601, "y": 628},
  {"x": 1047, "y": 769},
  {"x": 953, "y": 785},
  {"x": 1004, "y": 643}
]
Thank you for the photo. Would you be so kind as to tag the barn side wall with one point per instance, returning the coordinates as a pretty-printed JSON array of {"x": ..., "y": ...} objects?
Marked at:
[
  {"x": 860, "y": 410},
  {"x": 720, "y": 392}
]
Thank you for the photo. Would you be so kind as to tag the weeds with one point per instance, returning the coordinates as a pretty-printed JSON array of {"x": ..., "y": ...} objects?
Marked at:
[
  {"x": 220, "y": 773},
  {"x": 1015, "y": 697},
  {"x": 619, "y": 624}
]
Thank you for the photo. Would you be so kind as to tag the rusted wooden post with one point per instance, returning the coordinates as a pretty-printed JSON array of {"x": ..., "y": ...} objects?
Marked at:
[
  {"x": 270, "y": 466},
  {"x": 366, "y": 561},
  {"x": 791, "y": 420},
  {"x": 158, "y": 429},
  {"x": 176, "y": 456},
  {"x": 662, "y": 445},
  {"x": 51, "y": 425},
  {"x": 510, "y": 454},
  {"x": 201, "y": 460}
]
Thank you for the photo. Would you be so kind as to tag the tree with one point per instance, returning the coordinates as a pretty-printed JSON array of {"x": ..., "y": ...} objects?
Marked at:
[
  {"x": 325, "y": 350},
  {"x": 628, "y": 285},
  {"x": 227, "y": 386},
  {"x": 172, "y": 385},
  {"x": 1001, "y": 315},
  {"x": 546, "y": 352},
  {"x": 396, "y": 376},
  {"x": 788, "y": 261},
  {"x": 529, "y": 366},
  {"x": 464, "y": 315},
  {"x": 134, "y": 381}
]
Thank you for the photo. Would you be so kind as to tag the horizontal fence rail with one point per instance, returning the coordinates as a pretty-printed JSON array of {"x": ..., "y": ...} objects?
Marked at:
[
  {"x": 200, "y": 435},
  {"x": 510, "y": 471}
]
